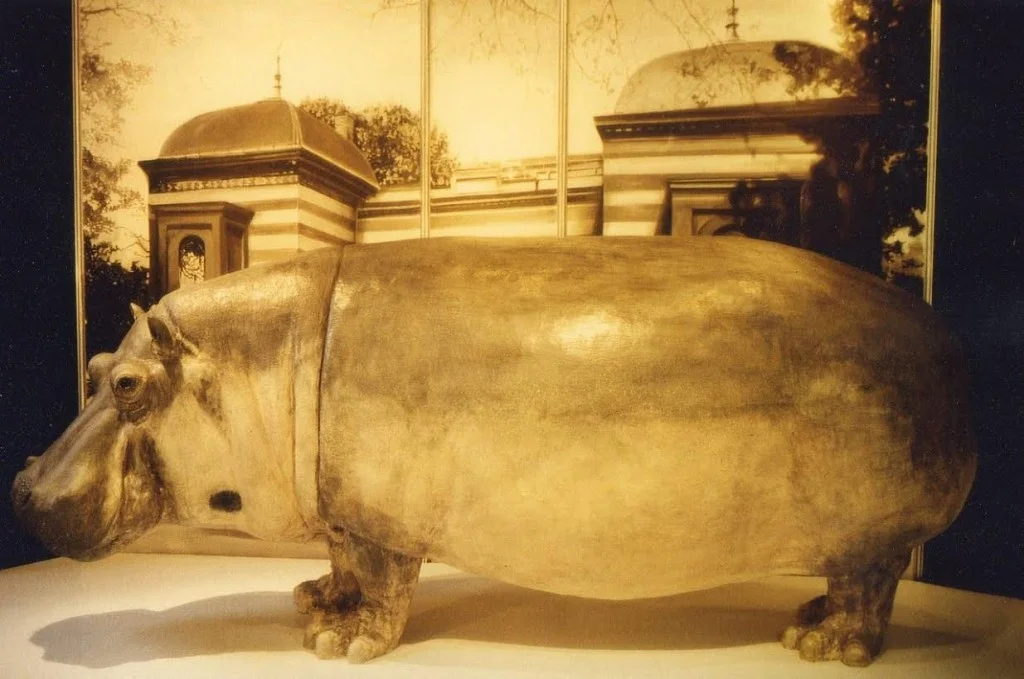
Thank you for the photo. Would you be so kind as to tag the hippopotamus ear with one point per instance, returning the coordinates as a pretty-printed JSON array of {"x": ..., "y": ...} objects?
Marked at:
[
  {"x": 165, "y": 341},
  {"x": 136, "y": 311}
]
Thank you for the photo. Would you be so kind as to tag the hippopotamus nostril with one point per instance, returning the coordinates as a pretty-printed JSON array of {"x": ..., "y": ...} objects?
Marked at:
[
  {"x": 21, "y": 492},
  {"x": 226, "y": 501},
  {"x": 31, "y": 460}
]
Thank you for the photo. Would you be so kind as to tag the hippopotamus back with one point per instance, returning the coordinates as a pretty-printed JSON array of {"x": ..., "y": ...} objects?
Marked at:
[{"x": 631, "y": 418}]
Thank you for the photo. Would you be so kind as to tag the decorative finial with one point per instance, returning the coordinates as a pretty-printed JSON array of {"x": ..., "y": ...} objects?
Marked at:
[
  {"x": 733, "y": 25},
  {"x": 277, "y": 76}
]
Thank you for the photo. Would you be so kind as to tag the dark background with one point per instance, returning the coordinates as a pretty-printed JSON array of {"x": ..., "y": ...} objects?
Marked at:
[{"x": 979, "y": 276}]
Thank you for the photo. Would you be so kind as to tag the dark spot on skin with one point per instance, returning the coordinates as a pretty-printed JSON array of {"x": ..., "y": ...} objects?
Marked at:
[
  {"x": 208, "y": 398},
  {"x": 226, "y": 501}
]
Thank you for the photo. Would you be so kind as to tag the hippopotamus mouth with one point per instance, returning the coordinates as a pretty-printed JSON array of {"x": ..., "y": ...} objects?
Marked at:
[{"x": 107, "y": 507}]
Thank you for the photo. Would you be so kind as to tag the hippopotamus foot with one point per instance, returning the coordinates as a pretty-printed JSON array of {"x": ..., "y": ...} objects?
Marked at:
[
  {"x": 848, "y": 623},
  {"x": 337, "y": 591},
  {"x": 360, "y": 608}
]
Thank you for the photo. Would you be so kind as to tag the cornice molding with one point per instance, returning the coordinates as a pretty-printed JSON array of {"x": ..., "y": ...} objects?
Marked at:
[
  {"x": 232, "y": 212},
  {"x": 773, "y": 117},
  {"x": 485, "y": 201},
  {"x": 264, "y": 168}
]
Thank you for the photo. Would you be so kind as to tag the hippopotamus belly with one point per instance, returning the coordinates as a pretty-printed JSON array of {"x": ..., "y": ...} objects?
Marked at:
[{"x": 626, "y": 419}]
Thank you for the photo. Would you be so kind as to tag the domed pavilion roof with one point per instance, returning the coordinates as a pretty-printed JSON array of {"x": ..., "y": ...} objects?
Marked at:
[
  {"x": 264, "y": 126},
  {"x": 733, "y": 74}
]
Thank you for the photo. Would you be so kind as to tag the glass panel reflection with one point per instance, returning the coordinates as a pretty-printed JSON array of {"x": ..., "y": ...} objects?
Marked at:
[{"x": 494, "y": 100}]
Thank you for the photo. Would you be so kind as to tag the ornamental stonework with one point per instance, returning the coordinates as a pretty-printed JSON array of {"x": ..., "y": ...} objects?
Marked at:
[{"x": 177, "y": 185}]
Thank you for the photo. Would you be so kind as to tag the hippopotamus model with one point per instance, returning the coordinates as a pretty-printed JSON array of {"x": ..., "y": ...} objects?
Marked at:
[{"x": 610, "y": 418}]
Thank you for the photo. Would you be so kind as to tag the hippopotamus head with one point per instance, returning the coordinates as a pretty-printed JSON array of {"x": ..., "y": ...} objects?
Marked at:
[{"x": 156, "y": 441}]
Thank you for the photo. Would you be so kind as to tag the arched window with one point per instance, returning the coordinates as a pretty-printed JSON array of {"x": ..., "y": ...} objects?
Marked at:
[{"x": 191, "y": 260}]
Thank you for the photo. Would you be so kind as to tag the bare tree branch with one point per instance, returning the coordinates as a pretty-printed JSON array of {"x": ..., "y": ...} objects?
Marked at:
[
  {"x": 138, "y": 241},
  {"x": 130, "y": 12},
  {"x": 533, "y": 9},
  {"x": 672, "y": 21}
]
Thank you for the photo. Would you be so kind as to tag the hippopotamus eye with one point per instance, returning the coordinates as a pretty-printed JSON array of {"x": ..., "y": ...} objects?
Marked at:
[
  {"x": 126, "y": 385},
  {"x": 129, "y": 389}
]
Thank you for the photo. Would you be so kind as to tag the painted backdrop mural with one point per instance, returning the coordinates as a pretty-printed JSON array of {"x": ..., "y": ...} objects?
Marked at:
[{"x": 219, "y": 135}]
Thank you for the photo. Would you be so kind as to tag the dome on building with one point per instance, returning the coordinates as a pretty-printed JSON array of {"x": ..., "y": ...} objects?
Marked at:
[
  {"x": 734, "y": 74},
  {"x": 267, "y": 125}
]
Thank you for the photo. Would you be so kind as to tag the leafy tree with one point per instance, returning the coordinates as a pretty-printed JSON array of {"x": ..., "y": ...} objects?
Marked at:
[
  {"x": 891, "y": 43},
  {"x": 887, "y": 58},
  {"x": 103, "y": 193},
  {"x": 105, "y": 90},
  {"x": 888, "y": 48},
  {"x": 326, "y": 109},
  {"x": 389, "y": 137},
  {"x": 813, "y": 68},
  {"x": 110, "y": 288}
]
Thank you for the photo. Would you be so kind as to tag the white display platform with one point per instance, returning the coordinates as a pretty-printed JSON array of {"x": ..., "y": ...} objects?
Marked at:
[{"x": 146, "y": 615}]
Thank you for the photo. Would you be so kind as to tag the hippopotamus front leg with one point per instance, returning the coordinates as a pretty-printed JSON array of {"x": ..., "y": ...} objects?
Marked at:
[
  {"x": 848, "y": 623},
  {"x": 360, "y": 608}
]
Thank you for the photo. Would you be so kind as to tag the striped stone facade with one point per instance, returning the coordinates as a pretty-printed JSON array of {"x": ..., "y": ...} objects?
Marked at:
[
  {"x": 287, "y": 216},
  {"x": 491, "y": 201},
  {"x": 676, "y": 172}
]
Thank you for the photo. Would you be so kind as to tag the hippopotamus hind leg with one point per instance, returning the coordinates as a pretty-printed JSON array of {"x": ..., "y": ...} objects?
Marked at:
[
  {"x": 848, "y": 623},
  {"x": 360, "y": 608}
]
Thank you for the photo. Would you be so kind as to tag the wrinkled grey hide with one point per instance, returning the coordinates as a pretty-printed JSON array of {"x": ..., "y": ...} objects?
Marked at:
[{"x": 613, "y": 418}]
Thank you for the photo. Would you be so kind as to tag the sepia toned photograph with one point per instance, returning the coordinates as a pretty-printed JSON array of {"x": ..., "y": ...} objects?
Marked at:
[{"x": 458, "y": 337}]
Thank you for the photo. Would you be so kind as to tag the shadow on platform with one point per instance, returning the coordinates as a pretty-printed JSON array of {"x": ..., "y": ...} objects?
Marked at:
[{"x": 457, "y": 607}]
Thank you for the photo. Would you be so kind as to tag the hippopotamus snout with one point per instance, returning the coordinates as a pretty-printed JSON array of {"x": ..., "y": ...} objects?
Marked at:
[
  {"x": 44, "y": 517},
  {"x": 92, "y": 490},
  {"x": 67, "y": 525},
  {"x": 64, "y": 496},
  {"x": 21, "y": 492}
]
